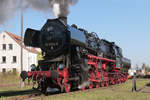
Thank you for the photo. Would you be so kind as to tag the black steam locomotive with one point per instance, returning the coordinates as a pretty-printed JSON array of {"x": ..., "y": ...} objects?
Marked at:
[{"x": 74, "y": 58}]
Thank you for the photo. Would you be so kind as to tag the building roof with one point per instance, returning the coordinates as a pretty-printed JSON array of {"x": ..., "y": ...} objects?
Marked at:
[{"x": 18, "y": 41}]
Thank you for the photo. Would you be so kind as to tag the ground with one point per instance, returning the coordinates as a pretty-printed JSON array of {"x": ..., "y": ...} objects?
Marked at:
[{"x": 10, "y": 90}]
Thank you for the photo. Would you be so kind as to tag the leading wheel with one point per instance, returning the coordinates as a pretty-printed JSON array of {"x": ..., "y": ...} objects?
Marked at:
[
  {"x": 91, "y": 86},
  {"x": 67, "y": 87}
]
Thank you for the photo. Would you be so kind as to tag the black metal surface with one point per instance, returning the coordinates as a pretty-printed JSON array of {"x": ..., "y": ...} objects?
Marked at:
[
  {"x": 126, "y": 63},
  {"x": 31, "y": 38},
  {"x": 54, "y": 38},
  {"x": 23, "y": 75},
  {"x": 77, "y": 36}
]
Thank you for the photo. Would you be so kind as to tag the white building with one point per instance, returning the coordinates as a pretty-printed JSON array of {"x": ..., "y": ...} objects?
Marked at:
[{"x": 10, "y": 53}]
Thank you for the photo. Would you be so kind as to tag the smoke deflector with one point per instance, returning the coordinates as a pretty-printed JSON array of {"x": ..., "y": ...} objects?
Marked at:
[{"x": 32, "y": 38}]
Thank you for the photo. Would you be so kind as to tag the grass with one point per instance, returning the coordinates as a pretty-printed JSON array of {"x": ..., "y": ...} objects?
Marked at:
[
  {"x": 119, "y": 92},
  {"x": 9, "y": 82},
  {"x": 9, "y": 78}
]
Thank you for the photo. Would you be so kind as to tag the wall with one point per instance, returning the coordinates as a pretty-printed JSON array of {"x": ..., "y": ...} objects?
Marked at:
[{"x": 28, "y": 57}]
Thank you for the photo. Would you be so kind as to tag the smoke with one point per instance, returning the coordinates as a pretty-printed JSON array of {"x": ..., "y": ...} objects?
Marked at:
[
  {"x": 40, "y": 5},
  {"x": 56, "y": 10},
  {"x": 8, "y": 8},
  {"x": 58, "y": 7},
  {"x": 61, "y": 7}
]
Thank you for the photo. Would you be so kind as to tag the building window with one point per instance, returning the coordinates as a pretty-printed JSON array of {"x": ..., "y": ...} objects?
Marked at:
[
  {"x": 3, "y": 36},
  {"x": 4, "y": 59},
  {"x": 14, "y": 59},
  {"x": 4, "y": 46},
  {"x": 4, "y": 70},
  {"x": 10, "y": 46}
]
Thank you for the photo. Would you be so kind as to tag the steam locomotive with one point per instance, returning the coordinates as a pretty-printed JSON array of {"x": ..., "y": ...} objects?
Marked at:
[{"x": 74, "y": 58}]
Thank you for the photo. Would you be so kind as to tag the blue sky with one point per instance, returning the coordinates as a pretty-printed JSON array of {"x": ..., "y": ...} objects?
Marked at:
[{"x": 126, "y": 22}]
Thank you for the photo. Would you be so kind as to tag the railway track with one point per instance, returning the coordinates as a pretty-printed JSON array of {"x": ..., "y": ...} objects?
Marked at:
[{"x": 34, "y": 94}]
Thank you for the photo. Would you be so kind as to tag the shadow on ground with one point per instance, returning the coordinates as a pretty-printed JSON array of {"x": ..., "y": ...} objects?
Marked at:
[
  {"x": 19, "y": 93},
  {"x": 145, "y": 89},
  {"x": 148, "y": 84}
]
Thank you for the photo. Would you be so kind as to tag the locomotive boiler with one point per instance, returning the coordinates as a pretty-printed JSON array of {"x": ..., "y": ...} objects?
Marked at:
[{"x": 74, "y": 58}]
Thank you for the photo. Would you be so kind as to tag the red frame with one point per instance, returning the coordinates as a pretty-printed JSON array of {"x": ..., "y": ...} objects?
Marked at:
[{"x": 100, "y": 77}]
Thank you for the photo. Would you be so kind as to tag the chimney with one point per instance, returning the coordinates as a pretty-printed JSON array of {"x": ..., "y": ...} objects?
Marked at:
[{"x": 63, "y": 20}]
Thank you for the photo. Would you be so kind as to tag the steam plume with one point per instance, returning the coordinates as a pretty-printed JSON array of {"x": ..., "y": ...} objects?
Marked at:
[
  {"x": 8, "y": 8},
  {"x": 63, "y": 8},
  {"x": 56, "y": 10},
  {"x": 40, "y": 5},
  {"x": 59, "y": 7}
]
